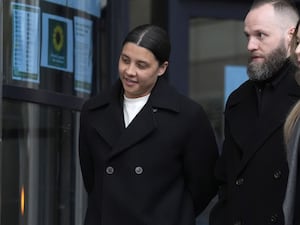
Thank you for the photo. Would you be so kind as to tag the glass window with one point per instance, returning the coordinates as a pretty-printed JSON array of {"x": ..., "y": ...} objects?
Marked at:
[
  {"x": 40, "y": 175},
  {"x": 218, "y": 58},
  {"x": 52, "y": 45}
]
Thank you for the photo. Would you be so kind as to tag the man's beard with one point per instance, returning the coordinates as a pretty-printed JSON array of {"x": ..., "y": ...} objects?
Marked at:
[{"x": 263, "y": 71}]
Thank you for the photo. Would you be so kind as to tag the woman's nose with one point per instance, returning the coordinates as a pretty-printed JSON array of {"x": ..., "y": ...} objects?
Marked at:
[{"x": 130, "y": 70}]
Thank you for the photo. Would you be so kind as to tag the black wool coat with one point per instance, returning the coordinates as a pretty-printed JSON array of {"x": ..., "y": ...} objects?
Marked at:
[
  {"x": 157, "y": 171},
  {"x": 253, "y": 168}
]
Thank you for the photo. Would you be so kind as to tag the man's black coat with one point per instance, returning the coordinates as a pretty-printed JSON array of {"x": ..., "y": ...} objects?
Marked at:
[{"x": 253, "y": 167}]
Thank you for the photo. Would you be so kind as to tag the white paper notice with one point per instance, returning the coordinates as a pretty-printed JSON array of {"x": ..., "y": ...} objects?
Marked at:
[
  {"x": 83, "y": 29},
  {"x": 92, "y": 7},
  {"x": 25, "y": 42}
]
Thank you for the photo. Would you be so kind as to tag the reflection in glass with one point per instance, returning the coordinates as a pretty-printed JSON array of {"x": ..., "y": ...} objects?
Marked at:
[
  {"x": 214, "y": 44},
  {"x": 51, "y": 46},
  {"x": 40, "y": 175}
]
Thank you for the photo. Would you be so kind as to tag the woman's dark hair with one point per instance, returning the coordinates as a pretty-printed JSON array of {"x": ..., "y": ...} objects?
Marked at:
[{"x": 153, "y": 38}]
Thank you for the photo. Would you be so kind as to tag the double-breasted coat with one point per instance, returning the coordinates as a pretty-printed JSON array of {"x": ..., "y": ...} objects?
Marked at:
[
  {"x": 158, "y": 170},
  {"x": 253, "y": 167}
]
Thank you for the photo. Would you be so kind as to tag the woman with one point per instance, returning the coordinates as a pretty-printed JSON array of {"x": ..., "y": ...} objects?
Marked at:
[
  {"x": 147, "y": 153},
  {"x": 291, "y": 203}
]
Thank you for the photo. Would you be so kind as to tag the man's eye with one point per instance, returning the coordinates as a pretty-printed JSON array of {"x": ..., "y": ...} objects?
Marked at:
[{"x": 261, "y": 35}]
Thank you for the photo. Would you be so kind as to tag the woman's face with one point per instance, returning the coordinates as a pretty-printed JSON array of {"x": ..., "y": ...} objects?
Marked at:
[
  {"x": 138, "y": 70},
  {"x": 297, "y": 50}
]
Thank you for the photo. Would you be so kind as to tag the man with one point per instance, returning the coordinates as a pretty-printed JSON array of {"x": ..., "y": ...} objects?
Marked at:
[{"x": 252, "y": 168}]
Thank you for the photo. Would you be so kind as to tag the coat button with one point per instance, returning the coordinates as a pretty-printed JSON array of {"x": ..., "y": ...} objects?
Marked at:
[
  {"x": 239, "y": 181},
  {"x": 277, "y": 174},
  {"x": 110, "y": 170},
  {"x": 138, "y": 170},
  {"x": 154, "y": 110},
  {"x": 238, "y": 223},
  {"x": 274, "y": 218}
]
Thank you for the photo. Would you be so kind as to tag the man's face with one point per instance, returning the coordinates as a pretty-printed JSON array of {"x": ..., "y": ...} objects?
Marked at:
[
  {"x": 264, "y": 69},
  {"x": 266, "y": 42}
]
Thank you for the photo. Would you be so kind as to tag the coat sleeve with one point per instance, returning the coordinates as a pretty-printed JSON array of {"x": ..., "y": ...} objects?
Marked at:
[
  {"x": 85, "y": 157},
  {"x": 200, "y": 157},
  {"x": 218, "y": 213}
]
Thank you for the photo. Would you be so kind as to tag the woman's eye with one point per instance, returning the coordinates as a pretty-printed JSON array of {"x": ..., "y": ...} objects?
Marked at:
[
  {"x": 125, "y": 60},
  {"x": 142, "y": 65}
]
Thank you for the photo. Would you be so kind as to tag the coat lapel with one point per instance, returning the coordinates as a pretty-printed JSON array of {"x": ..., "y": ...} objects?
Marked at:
[
  {"x": 109, "y": 120},
  {"x": 241, "y": 116},
  {"x": 258, "y": 128},
  {"x": 163, "y": 97},
  {"x": 109, "y": 123},
  {"x": 141, "y": 126},
  {"x": 265, "y": 126}
]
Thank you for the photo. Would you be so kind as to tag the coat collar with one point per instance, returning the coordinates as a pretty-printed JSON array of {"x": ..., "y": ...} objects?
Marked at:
[
  {"x": 160, "y": 96},
  {"x": 249, "y": 86},
  {"x": 257, "y": 128},
  {"x": 109, "y": 122},
  {"x": 164, "y": 96}
]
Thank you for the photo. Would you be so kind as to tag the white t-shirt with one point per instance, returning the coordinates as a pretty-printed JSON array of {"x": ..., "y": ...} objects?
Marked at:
[{"x": 132, "y": 106}]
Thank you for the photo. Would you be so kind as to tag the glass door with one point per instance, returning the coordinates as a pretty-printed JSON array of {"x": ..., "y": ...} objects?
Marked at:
[{"x": 40, "y": 175}]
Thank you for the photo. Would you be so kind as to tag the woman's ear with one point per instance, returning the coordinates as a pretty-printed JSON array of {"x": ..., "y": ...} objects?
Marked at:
[{"x": 162, "y": 68}]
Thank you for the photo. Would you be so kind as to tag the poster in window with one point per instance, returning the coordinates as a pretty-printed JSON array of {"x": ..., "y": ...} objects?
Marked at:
[
  {"x": 25, "y": 42},
  {"x": 57, "y": 43},
  {"x": 58, "y": 2},
  {"x": 83, "y": 54},
  {"x": 92, "y": 7}
]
